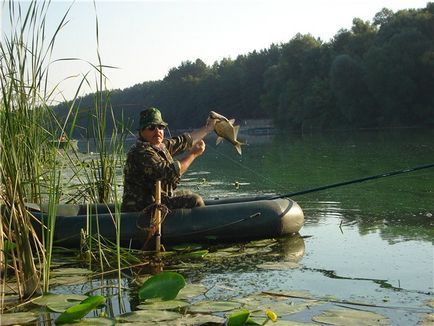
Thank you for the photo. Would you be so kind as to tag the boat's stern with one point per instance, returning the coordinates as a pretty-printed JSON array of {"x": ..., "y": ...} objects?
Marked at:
[{"x": 292, "y": 217}]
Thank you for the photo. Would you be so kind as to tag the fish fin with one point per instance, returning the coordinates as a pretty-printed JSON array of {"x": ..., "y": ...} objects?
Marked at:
[
  {"x": 236, "y": 129},
  {"x": 238, "y": 148},
  {"x": 219, "y": 140},
  {"x": 232, "y": 121}
]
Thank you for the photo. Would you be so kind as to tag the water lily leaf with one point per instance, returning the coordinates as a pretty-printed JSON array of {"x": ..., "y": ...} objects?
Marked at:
[
  {"x": 428, "y": 320},
  {"x": 70, "y": 271},
  {"x": 282, "y": 308},
  {"x": 197, "y": 253},
  {"x": 262, "y": 243},
  {"x": 280, "y": 322},
  {"x": 164, "y": 305},
  {"x": 351, "y": 317},
  {"x": 69, "y": 276},
  {"x": 68, "y": 280},
  {"x": 165, "y": 285},
  {"x": 187, "y": 247},
  {"x": 199, "y": 319},
  {"x": 238, "y": 318},
  {"x": 148, "y": 315},
  {"x": 279, "y": 266},
  {"x": 18, "y": 318},
  {"x": 186, "y": 266},
  {"x": 80, "y": 310},
  {"x": 191, "y": 291},
  {"x": 53, "y": 299},
  {"x": 214, "y": 306},
  {"x": 95, "y": 321},
  {"x": 303, "y": 294}
]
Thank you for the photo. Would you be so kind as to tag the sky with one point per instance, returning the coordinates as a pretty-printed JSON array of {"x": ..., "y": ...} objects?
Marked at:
[{"x": 145, "y": 39}]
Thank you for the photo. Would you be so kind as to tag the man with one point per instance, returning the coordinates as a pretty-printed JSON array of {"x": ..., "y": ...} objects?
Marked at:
[{"x": 151, "y": 159}]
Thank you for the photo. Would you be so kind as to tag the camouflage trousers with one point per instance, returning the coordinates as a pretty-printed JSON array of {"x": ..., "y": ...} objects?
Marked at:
[{"x": 182, "y": 199}]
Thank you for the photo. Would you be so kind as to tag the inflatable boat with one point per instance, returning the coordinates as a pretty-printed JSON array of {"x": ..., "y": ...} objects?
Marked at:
[{"x": 226, "y": 220}]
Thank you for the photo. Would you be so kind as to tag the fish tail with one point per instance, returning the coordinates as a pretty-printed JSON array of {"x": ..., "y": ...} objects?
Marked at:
[{"x": 238, "y": 148}]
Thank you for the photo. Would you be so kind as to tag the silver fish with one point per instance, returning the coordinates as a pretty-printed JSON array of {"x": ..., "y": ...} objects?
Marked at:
[{"x": 225, "y": 129}]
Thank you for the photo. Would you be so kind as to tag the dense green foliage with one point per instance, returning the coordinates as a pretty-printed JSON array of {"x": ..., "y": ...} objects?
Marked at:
[{"x": 377, "y": 74}]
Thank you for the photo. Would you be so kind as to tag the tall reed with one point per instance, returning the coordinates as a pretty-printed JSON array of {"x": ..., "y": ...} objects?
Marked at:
[
  {"x": 24, "y": 139},
  {"x": 29, "y": 166}
]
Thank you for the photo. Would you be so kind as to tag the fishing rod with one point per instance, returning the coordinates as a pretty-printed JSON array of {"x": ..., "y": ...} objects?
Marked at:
[
  {"x": 333, "y": 185},
  {"x": 344, "y": 183}
]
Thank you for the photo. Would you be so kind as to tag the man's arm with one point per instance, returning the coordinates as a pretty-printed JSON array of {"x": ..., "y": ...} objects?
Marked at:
[
  {"x": 199, "y": 134},
  {"x": 196, "y": 151}
]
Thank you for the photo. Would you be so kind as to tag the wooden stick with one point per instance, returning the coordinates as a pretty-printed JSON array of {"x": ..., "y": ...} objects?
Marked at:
[{"x": 157, "y": 215}]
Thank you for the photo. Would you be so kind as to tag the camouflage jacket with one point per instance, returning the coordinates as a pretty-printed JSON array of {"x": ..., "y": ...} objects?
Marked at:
[{"x": 146, "y": 164}]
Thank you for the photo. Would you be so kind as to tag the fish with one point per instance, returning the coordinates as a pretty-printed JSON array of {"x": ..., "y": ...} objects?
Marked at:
[{"x": 225, "y": 129}]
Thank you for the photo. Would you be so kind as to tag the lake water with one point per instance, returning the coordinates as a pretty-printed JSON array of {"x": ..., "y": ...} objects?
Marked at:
[{"x": 369, "y": 242}]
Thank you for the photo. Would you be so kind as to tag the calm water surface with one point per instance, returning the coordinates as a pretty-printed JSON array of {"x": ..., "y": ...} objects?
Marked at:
[{"x": 368, "y": 242}]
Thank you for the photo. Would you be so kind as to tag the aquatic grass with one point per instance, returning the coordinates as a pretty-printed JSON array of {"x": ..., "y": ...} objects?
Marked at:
[
  {"x": 24, "y": 150},
  {"x": 30, "y": 169}
]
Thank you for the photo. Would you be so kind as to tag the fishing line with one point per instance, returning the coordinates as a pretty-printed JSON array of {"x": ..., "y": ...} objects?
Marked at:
[{"x": 249, "y": 169}]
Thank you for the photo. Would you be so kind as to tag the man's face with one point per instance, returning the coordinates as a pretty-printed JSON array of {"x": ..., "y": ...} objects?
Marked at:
[{"x": 154, "y": 134}]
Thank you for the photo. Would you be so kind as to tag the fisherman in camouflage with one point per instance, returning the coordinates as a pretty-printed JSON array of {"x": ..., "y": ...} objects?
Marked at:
[{"x": 151, "y": 159}]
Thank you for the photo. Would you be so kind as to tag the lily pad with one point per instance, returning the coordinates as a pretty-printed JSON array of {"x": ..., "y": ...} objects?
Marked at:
[
  {"x": 283, "y": 309},
  {"x": 68, "y": 280},
  {"x": 238, "y": 318},
  {"x": 280, "y": 322},
  {"x": 351, "y": 317},
  {"x": 214, "y": 306},
  {"x": 18, "y": 318},
  {"x": 95, "y": 321},
  {"x": 191, "y": 291},
  {"x": 279, "y": 266},
  {"x": 80, "y": 310},
  {"x": 165, "y": 285},
  {"x": 59, "y": 299},
  {"x": 187, "y": 247},
  {"x": 428, "y": 320},
  {"x": 70, "y": 271},
  {"x": 262, "y": 243},
  {"x": 199, "y": 319},
  {"x": 148, "y": 315},
  {"x": 164, "y": 305}
]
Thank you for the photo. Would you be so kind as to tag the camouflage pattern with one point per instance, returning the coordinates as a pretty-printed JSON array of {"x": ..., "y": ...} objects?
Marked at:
[{"x": 146, "y": 164}]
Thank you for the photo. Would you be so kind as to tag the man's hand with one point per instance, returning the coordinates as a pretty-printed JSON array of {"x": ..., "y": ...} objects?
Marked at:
[
  {"x": 198, "y": 148},
  {"x": 210, "y": 123}
]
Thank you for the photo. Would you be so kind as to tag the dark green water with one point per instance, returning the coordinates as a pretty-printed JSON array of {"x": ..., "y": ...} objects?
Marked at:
[{"x": 369, "y": 242}]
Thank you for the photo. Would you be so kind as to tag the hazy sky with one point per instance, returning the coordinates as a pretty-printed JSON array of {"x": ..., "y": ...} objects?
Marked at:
[{"x": 144, "y": 39}]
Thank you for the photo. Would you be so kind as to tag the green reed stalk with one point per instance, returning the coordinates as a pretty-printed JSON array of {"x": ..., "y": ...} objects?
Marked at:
[{"x": 26, "y": 129}]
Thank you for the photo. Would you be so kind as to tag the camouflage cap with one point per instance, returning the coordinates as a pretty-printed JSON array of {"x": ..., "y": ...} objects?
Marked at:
[{"x": 151, "y": 116}]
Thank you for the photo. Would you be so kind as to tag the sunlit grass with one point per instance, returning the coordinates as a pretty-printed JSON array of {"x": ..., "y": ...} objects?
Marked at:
[{"x": 31, "y": 163}]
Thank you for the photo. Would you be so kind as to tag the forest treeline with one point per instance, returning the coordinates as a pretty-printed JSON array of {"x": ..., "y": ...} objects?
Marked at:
[{"x": 379, "y": 73}]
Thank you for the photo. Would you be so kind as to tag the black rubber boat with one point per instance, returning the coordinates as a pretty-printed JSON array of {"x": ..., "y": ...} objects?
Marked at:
[{"x": 227, "y": 220}]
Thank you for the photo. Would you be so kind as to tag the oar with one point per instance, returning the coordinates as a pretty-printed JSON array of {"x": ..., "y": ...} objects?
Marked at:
[{"x": 333, "y": 185}]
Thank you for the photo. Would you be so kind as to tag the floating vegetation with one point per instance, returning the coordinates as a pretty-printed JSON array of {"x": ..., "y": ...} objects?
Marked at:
[
  {"x": 58, "y": 302},
  {"x": 163, "y": 305},
  {"x": 165, "y": 285},
  {"x": 18, "y": 318},
  {"x": 214, "y": 306},
  {"x": 342, "y": 317},
  {"x": 78, "y": 311}
]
